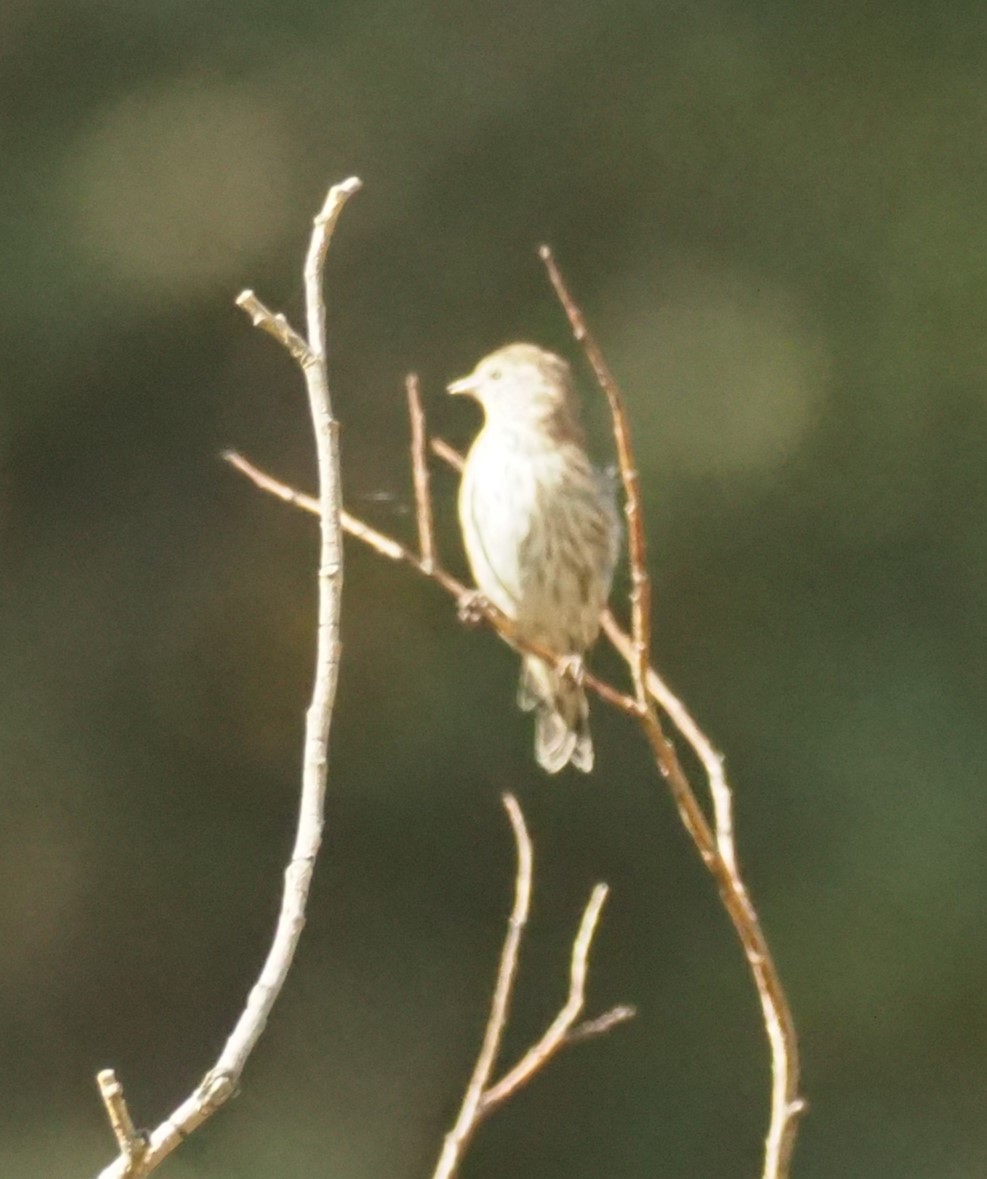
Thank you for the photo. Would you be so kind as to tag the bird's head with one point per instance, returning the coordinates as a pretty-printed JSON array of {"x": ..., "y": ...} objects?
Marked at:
[{"x": 522, "y": 382}]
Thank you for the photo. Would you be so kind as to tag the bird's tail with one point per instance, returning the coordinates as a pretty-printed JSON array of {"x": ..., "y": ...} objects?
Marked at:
[{"x": 561, "y": 716}]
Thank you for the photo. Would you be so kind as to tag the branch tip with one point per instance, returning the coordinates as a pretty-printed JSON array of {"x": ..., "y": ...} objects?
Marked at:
[{"x": 131, "y": 1142}]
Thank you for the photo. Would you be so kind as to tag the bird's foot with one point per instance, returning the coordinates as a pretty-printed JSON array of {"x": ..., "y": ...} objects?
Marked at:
[
  {"x": 472, "y": 608},
  {"x": 573, "y": 669}
]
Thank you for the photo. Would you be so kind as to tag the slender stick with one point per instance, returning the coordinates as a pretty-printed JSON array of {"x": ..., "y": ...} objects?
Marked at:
[
  {"x": 132, "y": 1143},
  {"x": 481, "y": 1098},
  {"x": 719, "y": 854},
  {"x": 308, "y": 503},
  {"x": 330, "y": 582},
  {"x": 712, "y": 761},
  {"x": 290, "y": 495},
  {"x": 448, "y": 454},
  {"x": 715, "y": 846},
  {"x": 419, "y": 468},
  {"x": 640, "y": 580},
  {"x": 561, "y": 1031},
  {"x": 470, "y": 605},
  {"x": 221, "y": 1081},
  {"x": 458, "y": 1137}
]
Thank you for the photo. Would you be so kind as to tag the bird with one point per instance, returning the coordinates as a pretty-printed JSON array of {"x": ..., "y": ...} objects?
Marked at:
[{"x": 541, "y": 534}]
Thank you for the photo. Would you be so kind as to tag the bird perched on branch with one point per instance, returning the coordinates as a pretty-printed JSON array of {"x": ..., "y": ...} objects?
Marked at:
[{"x": 541, "y": 533}]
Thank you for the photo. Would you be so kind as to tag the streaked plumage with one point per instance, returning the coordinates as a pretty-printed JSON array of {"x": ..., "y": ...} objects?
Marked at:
[{"x": 540, "y": 530}]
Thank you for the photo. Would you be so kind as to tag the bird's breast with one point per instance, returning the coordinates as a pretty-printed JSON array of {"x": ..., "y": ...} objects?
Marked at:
[{"x": 535, "y": 532}]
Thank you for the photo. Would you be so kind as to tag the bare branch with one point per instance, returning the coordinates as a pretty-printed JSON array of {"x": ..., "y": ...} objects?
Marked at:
[
  {"x": 480, "y": 1100},
  {"x": 448, "y": 453},
  {"x": 561, "y": 1031},
  {"x": 275, "y": 325},
  {"x": 290, "y": 495},
  {"x": 376, "y": 540},
  {"x": 315, "y": 763},
  {"x": 388, "y": 547},
  {"x": 712, "y": 761},
  {"x": 716, "y": 847},
  {"x": 132, "y": 1143},
  {"x": 637, "y": 548},
  {"x": 419, "y": 467},
  {"x": 217, "y": 1086},
  {"x": 458, "y": 1137},
  {"x": 590, "y": 1028},
  {"x": 719, "y": 854}
]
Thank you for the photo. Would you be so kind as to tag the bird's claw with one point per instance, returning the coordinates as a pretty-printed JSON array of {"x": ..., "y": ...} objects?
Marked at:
[
  {"x": 472, "y": 608},
  {"x": 573, "y": 669}
]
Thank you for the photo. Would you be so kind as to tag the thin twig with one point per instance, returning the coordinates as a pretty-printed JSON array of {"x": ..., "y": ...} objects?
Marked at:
[
  {"x": 480, "y": 1100},
  {"x": 132, "y": 1143},
  {"x": 719, "y": 855},
  {"x": 308, "y": 503},
  {"x": 786, "y": 1101},
  {"x": 388, "y": 547},
  {"x": 591, "y": 1028},
  {"x": 467, "y": 1121},
  {"x": 711, "y": 759},
  {"x": 315, "y": 759},
  {"x": 290, "y": 495},
  {"x": 419, "y": 469},
  {"x": 637, "y": 548},
  {"x": 715, "y": 846},
  {"x": 448, "y": 454},
  {"x": 561, "y": 1031},
  {"x": 275, "y": 325},
  {"x": 222, "y": 1079}
]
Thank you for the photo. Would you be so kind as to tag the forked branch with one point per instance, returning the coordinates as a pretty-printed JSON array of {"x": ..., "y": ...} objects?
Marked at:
[
  {"x": 482, "y": 1097},
  {"x": 469, "y": 604},
  {"x": 715, "y": 844}
]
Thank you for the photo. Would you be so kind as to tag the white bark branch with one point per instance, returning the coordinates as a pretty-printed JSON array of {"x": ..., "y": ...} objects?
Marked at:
[{"x": 220, "y": 1082}]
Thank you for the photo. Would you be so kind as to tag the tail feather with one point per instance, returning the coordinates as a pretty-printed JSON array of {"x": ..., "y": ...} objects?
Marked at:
[{"x": 562, "y": 717}]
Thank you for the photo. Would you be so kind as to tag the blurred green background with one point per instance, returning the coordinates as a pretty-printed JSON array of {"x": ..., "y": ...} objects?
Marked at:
[{"x": 775, "y": 216}]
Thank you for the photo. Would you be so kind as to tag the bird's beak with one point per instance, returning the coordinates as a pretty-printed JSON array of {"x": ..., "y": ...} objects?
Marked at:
[{"x": 463, "y": 385}]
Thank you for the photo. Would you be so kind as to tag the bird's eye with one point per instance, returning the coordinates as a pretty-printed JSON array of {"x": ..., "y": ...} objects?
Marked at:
[{"x": 495, "y": 374}]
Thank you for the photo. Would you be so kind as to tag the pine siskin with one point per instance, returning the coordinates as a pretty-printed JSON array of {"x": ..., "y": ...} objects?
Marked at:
[{"x": 541, "y": 532}]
